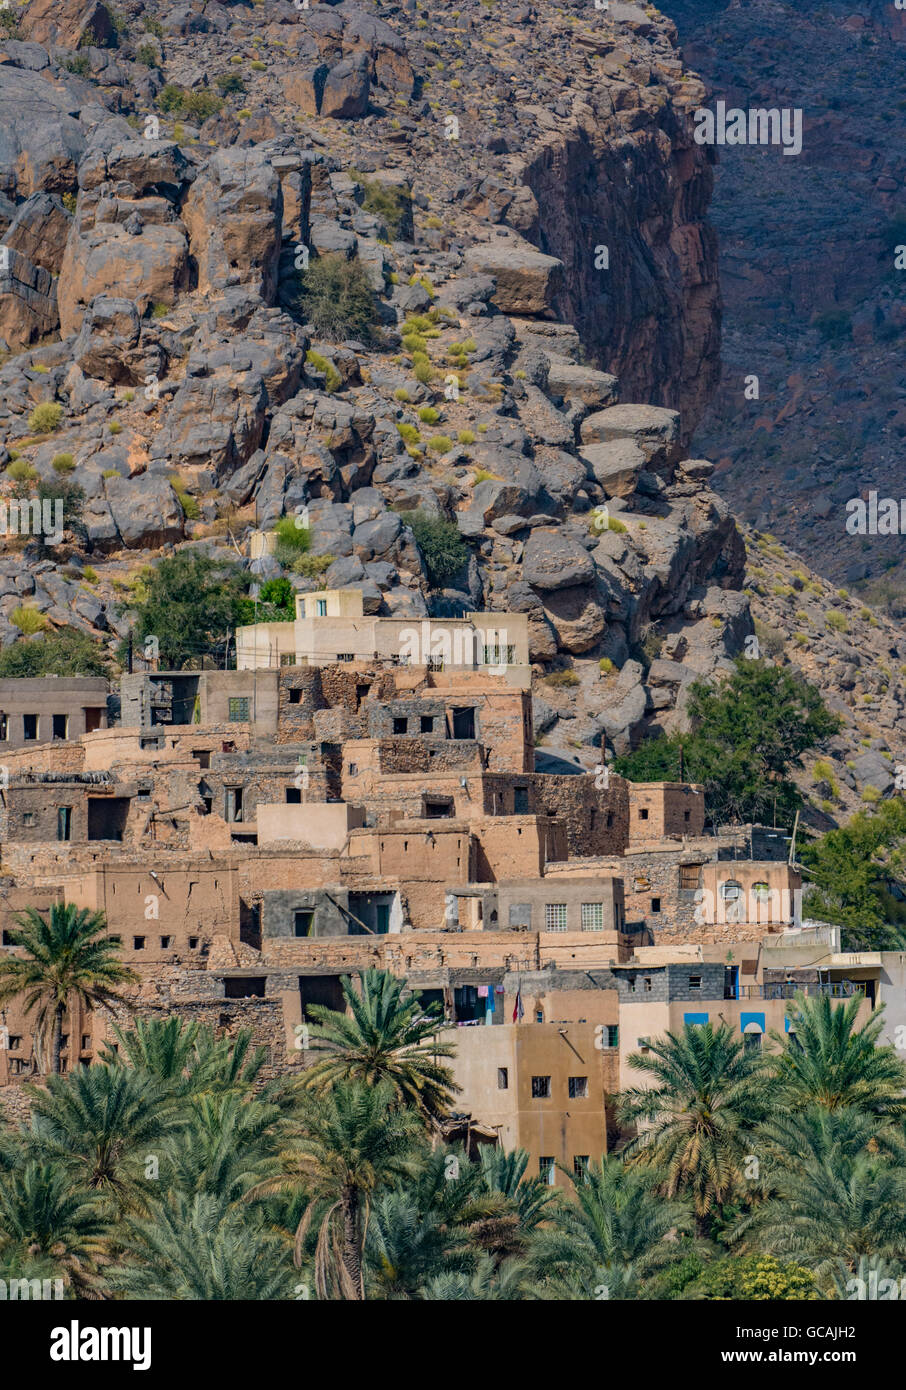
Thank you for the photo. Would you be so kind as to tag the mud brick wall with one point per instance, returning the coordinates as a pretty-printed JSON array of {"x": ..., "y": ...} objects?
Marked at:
[
  {"x": 28, "y": 861},
  {"x": 285, "y": 957},
  {"x": 515, "y": 847},
  {"x": 656, "y": 875},
  {"x": 399, "y": 791},
  {"x": 463, "y": 951},
  {"x": 427, "y": 755},
  {"x": 261, "y": 784},
  {"x": 337, "y": 725},
  {"x": 498, "y": 794},
  {"x": 382, "y": 713},
  {"x": 16, "y": 897},
  {"x": 433, "y": 852},
  {"x": 505, "y": 728},
  {"x": 294, "y": 720},
  {"x": 673, "y": 810},
  {"x": 289, "y": 869},
  {"x": 423, "y": 906},
  {"x": 43, "y": 757},
  {"x": 15, "y": 1104},
  {"x": 197, "y": 901},
  {"x": 228, "y": 1016},
  {"x": 38, "y": 803},
  {"x": 596, "y": 820},
  {"x": 225, "y": 1016}
]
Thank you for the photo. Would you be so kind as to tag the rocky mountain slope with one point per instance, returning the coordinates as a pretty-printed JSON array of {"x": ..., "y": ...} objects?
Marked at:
[
  {"x": 815, "y": 305},
  {"x": 521, "y": 189}
]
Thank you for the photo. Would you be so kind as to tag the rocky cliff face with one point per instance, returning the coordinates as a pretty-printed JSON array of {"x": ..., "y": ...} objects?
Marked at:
[
  {"x": 475, "y": 162},
  {"x": 621, "y": 176},
  {"x": 815, "y": 305}
]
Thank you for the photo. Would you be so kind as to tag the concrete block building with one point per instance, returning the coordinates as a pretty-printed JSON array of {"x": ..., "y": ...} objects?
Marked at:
[{"x": 48, "y": 709}]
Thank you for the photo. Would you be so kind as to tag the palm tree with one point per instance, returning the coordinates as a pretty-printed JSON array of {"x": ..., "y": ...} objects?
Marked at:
[
  {"x": 226, "y": 1063},
  {"x": 186, "y": 1058},
  {"x": 830, "y": 1062},
  {"x": 790, "y": 1139},
  {"x": 613, "y": 1236},
  {"x": 840, "y": 1206},
  {"x": 197, "y": 1246},
  {"x": 479, "y": 1215},
  {"x": 69, "y": 961},
  {"x": 698, "y": 1116},
  {"x": 164, "y": 1047},
  {"x": 44, "y": 1217},
  {"x": 228, "y": 1143},
  {"x": 408, "y": 1246},
  {"x": 384, "y": 1039},
  {"x": 486, "y": 1283},
  {"x": 355, "y": 1139},
  {"x": 98, "y": 1124},
  {"x": 504, "y": 1171}
]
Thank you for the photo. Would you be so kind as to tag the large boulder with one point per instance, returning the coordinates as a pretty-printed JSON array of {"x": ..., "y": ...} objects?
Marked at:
[
  {"x": 67, "y": 22},
  {"x": 145, "y": 511},
  {"x": 106, "y": 345},
  {"x": 616, "y": 465},
  {"x": 592, "y": 388},
  {"x": 871, "y": 770},
  {"x": 619, "y": 723},
  {"x": 304, "y": 87},
  {"x": 234, "y": 213},
  {"x": 41, "y": 142},
  {"x": 107, "y": 259},
  {"x": 387, "y": 49},
  {"x": 377, "y": 539},
  {"x": 654, "y": 429},
  {"x": 527, "y": 281},
  {"x": 553, "y": 560},
  {"x": 346, "y": 88},
  {"x": 576, "y": 616}
]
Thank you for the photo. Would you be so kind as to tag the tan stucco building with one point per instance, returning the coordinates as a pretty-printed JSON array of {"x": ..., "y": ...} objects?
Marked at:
[{"x": 332, "y": 626}]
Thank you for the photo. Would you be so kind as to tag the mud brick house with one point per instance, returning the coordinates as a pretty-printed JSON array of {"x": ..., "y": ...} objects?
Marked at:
[
  {"x": 665, "y": 810},
  {"x": 688, "y": 892},
  {"x": 64, "y": 807},
  {"x": 47, "y": 708}
]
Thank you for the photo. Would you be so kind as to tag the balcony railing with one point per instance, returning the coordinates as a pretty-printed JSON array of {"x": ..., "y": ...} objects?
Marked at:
[{"x": 788, "y": 989}]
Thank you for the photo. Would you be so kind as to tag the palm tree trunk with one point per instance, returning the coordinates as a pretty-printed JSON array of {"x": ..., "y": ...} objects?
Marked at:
[
  {"x": 352, "y": 1256},
  {"x": 57, "y": 1043}
]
